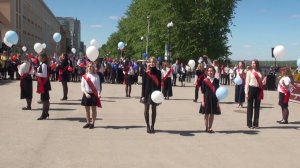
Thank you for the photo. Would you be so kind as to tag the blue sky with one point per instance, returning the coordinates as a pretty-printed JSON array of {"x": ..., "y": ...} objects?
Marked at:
[{"x": 259, "y": 24}]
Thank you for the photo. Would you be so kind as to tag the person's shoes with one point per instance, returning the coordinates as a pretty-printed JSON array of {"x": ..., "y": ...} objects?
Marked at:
[
  {"x": 64, "y": 98},
  {"x": 152, "y": 130},
  {"x": 148, "y": 130},
  {"x": 26, "y": 108},
  {"x": 283, "y": 122},
  {"x": 280, "y": 121},
  {"x": 40, "y": 102},
  {"x": 195, "y": 101},
  {"x": 42, "y": 117},
  {"x": 255, "y": 127},
  {"x": 87, "y": 125},
  {"x": 92, "y": 126},
  {"x": 250, "y": 127},
  {"x": 211, "y": 131}
]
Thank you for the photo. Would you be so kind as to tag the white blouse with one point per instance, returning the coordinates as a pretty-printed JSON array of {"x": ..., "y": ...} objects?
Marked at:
[
  {"x": 95, "y": 80},
  {"x": 42, "y": 70},
  {"x": 251, "y": 80},
  {"x": 287, "y": 81},
  {"x": 164, "y": 73}
]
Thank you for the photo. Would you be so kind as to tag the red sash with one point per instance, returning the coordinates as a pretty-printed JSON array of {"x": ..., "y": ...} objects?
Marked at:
[
  {"x": 260, "y": 85},
  {"x": 154, "y": 78},
  {"x": 242, "y": 76},
  {"x": 25, "y": 75},
  {"x": 60, "y": 73},
  {"x": 286, "y": 93},
  {"x": 199, "y": 80},
  {"x": 213, "y": 89},
  {"x": 41, "y": 82},
  {"x": 92, "y": 86},
  {"x": 165, "y": 77},
  {"x": 210, "y": 85}
]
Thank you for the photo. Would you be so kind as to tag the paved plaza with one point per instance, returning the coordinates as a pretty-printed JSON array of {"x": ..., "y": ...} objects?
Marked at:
[{"x": 120, "y": 139}]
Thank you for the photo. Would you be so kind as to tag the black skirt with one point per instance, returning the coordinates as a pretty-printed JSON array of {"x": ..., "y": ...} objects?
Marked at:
[
  {"x": 92, "y": 101},
  {"x": 167, "y": 90},
  {"x": 26, "y": 88},
  {"x": 128, "y": 79},
  {"x": 281, "y": 100}
]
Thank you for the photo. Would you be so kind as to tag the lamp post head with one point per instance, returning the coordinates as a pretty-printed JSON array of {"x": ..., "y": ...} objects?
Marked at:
[
  {"x": 142, "y": 38},
  {"x": 170, "y": 25}
]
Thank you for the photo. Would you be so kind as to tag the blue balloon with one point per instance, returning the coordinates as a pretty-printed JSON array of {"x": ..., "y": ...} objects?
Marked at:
[
  {"x": 135, "y": 66},
  {"x": 158, "y": 59},
  {"x": 238, "y": 80},
  {"x": 121, "y": 45},
  {"x": 12, "y": 37},
  {"x": 298, "y": 62},
  {"x": 145, "y": 55},
  {"x": 57, "y": 37},
  {"x": 222, "y": 92}
]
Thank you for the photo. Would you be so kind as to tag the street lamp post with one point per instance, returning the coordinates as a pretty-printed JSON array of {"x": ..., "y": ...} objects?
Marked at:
[
  {"x": 148, "y": 30},
  {"x": 170, "y": 26},
  {"x": 142, "y": 40}
]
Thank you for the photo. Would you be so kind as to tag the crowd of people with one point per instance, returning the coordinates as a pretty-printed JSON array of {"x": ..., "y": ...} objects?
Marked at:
[{"x": 161, "y": 76}]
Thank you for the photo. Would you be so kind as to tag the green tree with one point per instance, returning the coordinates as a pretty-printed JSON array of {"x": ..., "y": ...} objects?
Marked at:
[{"x": 200, "y": 27}]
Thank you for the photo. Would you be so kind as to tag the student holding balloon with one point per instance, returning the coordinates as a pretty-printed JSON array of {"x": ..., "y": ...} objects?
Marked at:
[
  {"x": 63, "y": 74},
  {"x": 284, "y": 86},
  {"x": 240, "y": 84},
  {"x": 151, "y": 83},
  {"x": 26, "y": 70},
  {"x": 254, "y": 94},
  {"x": 43, "y": 85},
  {"x": 210, "y": 104}
]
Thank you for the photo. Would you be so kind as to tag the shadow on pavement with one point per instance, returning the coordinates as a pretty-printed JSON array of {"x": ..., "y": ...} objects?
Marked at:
[
  {"x": 120, "y": 127},
  {"x": 281, "y": 127},
  {"x": 181, "y": 99},
  {"x": 55, "y": 109},
  {"x": 248, "y": 132},
  {"x": 266, "y": 107},
  {"x": 294, "y": 122},
  {"x": 6, "y": 81},
  {"x": 79, "y": 119},
  {"x": 227, "y": 103},
  {"x": 66, "y": 103},
  {"x": 180, "y": 132}
]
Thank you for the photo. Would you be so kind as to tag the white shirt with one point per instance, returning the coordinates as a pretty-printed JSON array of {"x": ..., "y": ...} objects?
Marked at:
[
  {"x": 251, "y": 80},
  {"x": 287, "y": 82},
  {"x": 95, "y": 80},
  {"x": 164, "y": 73},
  {"x": 42, "y": 70}
]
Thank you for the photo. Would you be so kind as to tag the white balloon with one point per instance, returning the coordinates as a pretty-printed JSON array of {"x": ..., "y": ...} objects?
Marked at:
[
  {"x": 6, "y": 42},
  {"x": 157, "y": 97},
  {"x": 73, "y": 50},
  {"x": 38, "y": 48},
  {"x": 44, "y": 45},
  {"x": 192, "y": 63},
  {"x": 279, "y": 51},
  {"x": 200, "y": 60},
  {"x": 22, "y": 68},
  {"x": 24, "y": 48},
  {"x": 93, "y": 42},
  {"x": 92, "y": 53},
  {"x": 286, "y": 80}
]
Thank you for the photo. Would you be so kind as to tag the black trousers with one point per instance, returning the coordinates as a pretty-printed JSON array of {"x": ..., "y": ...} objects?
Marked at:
[
  {"x": 65, "y": 88},
  {"x": 196, "y": 92},
  {"x": 253, "y": 98}
]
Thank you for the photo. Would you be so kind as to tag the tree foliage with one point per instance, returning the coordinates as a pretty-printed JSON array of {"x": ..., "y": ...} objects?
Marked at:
[{"x": 200, "y": 27}]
